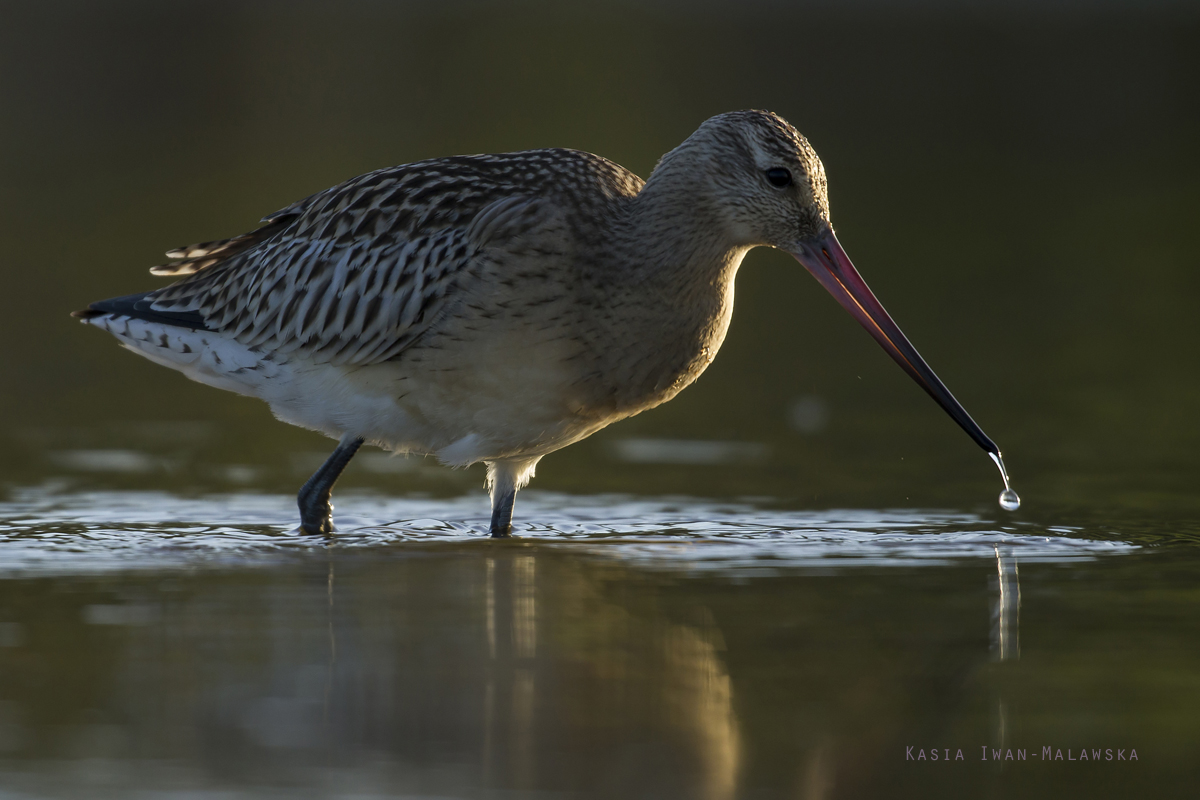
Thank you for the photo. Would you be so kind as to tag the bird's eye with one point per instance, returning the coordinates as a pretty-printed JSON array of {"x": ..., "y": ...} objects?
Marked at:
[{"x": 779, "y": 177}]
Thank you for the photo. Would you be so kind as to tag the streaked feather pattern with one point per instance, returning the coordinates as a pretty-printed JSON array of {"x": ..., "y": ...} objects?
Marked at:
[{"x": 357, "y": 273}]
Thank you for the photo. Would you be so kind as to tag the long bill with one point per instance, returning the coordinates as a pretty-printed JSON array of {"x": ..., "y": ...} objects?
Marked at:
[{"x": 824, "y": 257}]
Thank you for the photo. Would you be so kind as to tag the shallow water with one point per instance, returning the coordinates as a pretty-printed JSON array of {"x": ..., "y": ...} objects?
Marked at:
[
  {"x": 159, "y": 645},
  {"x": 46, "y": 531}
]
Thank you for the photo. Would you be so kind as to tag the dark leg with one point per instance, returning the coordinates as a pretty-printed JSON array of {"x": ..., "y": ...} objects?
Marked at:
[
  {"x": 502, "y": 511},
  {"x": 316, "y": 512}
]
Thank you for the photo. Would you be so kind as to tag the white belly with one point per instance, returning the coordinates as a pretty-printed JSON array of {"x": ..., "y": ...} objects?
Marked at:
[{"x": 486, "y": 396}]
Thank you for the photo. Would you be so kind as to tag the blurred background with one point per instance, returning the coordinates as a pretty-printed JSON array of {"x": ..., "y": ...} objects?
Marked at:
[{"x": 1017, "y": 181}]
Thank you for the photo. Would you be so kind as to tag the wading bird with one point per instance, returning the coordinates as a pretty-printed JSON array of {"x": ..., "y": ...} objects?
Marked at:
[{"x": 497, "y": 308}]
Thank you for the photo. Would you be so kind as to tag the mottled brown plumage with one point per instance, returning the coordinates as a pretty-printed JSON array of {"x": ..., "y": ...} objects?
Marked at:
[{"x": 356, "y": 273}]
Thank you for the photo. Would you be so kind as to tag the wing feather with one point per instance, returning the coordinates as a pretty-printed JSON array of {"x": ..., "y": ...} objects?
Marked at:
[
  {"x": 194, "y": 257},
  {"x": 357, "y": 273}
]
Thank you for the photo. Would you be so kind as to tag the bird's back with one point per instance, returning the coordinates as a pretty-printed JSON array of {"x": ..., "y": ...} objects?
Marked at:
[{"x": 358, "y": 272}]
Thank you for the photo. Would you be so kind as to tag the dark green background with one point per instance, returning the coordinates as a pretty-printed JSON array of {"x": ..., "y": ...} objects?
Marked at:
[{"x": 1018, "y": 184}]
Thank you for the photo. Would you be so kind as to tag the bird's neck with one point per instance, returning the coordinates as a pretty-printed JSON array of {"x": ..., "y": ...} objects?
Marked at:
[
  {"x": 679, "y": 264},
  {"x": 683, "y": 239},
  {"x": 679, "y": 241}
]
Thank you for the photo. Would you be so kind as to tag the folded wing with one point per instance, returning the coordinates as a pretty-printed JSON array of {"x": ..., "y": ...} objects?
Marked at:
[{"x": 352, "y": 275}]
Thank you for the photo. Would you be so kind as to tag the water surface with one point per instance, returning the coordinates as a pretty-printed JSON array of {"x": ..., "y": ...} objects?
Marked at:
[{"x": 161, "y": 645}]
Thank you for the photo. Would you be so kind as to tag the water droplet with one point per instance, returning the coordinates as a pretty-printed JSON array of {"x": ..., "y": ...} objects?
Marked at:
[{"x": 1009, "y": 500}]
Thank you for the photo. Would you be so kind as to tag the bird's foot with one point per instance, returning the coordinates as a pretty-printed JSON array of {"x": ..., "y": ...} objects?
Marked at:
[
  {"x": 316, "y": 511},
  {"x": 501, "y": 531},
  {"x": 323, "y": 528},
  {"x": 316, "y": 519}
]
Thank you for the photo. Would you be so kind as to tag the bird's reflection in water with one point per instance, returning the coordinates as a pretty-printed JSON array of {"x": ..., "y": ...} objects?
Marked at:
[
  {"x": 700, "y": 699},
  {"x": 555, "y": 657},
  {"x": 510, "y": 600},
  {"x": 332, "y": 649},
  {"x": 519, "y": 669}
]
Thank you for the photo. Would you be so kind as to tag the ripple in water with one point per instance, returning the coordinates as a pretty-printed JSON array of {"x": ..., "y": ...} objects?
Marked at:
[{"x": 42, "y": 530}]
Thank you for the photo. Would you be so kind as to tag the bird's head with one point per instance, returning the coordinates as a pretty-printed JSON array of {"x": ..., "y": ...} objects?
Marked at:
[
  {"x": 766, "y": 186},
  {"x": 764, "y": 180}
]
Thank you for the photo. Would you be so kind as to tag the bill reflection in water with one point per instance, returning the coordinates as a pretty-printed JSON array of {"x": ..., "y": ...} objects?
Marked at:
[{"x": 1006, "y": 633}]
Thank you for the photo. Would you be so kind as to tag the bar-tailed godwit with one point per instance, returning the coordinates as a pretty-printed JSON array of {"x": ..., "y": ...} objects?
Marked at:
[{"x": 497, "y": 308}]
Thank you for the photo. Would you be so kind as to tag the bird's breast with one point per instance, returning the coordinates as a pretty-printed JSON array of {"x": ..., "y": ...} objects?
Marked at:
[{"x": 660, "y": 345}]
